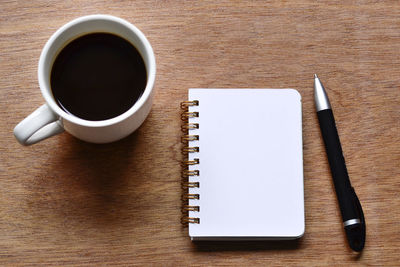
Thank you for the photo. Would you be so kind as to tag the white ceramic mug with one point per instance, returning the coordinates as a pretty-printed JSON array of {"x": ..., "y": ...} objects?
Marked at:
[{"x": 50, "y": 119}]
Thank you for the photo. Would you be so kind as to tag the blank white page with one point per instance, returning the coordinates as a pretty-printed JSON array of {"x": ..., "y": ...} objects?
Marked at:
[{"x": 251, "y": 164}]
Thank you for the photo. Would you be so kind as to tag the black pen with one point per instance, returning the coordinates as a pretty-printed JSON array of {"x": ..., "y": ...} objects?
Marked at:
[{"x": 350, "y": 207}]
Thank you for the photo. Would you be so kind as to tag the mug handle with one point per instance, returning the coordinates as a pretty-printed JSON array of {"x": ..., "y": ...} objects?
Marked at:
[{"x": 41, "y": 124}]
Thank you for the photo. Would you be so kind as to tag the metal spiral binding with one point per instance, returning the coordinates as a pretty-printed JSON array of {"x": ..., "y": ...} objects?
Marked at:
[
  {"x": 186, "y": 185},
  {"x": 186, "y": 150},
  {"x": 186, "y": 220},
  {"x": 186, "y": 173},
  {"x": 189, "y": 126}
]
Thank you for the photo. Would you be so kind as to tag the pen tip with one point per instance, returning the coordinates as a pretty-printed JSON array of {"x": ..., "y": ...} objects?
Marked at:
[{"x": 315, "y": 76}]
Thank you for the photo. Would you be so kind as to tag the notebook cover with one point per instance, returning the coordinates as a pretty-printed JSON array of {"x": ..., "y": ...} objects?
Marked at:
[{"x": 251, "y": 164}]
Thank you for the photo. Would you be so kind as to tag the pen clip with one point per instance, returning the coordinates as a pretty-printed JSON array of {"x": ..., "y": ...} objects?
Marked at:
[
  {"x": 356, "y": 232},
  {"x": 358, "y": 206}
]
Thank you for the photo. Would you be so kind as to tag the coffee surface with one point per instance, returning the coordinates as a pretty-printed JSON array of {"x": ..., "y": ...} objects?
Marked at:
[{"x": 98, "y": 76}]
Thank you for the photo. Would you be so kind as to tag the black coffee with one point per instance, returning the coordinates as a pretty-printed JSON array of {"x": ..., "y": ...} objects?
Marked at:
[{"x": 98, "y": 76}]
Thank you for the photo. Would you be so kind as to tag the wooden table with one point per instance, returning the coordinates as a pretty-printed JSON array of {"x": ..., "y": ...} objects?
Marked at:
[{"x": 65, "y": 201}]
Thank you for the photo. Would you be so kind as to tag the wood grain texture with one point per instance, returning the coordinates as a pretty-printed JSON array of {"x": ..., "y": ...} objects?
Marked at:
[{"x": 64, "y": 201}]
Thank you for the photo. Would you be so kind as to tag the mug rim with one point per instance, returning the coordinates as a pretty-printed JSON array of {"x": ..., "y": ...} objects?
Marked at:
[{"x": 48, "y": 96}]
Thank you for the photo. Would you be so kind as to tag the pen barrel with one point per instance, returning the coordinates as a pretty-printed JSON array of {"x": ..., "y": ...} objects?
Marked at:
[{"x": 337, "y": 165}]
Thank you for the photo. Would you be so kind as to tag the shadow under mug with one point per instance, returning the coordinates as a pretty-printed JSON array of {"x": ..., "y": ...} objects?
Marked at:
[{"x": 50, "y": 119}]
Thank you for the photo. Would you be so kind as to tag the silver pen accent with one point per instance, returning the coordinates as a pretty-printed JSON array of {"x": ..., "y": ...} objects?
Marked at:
[
  {"x": 321, "y": 98},
  {"x": 351, "y": 222}
]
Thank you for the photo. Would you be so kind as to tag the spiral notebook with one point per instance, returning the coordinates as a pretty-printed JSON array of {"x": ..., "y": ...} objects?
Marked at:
[{"x": 243, "y": 168}]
